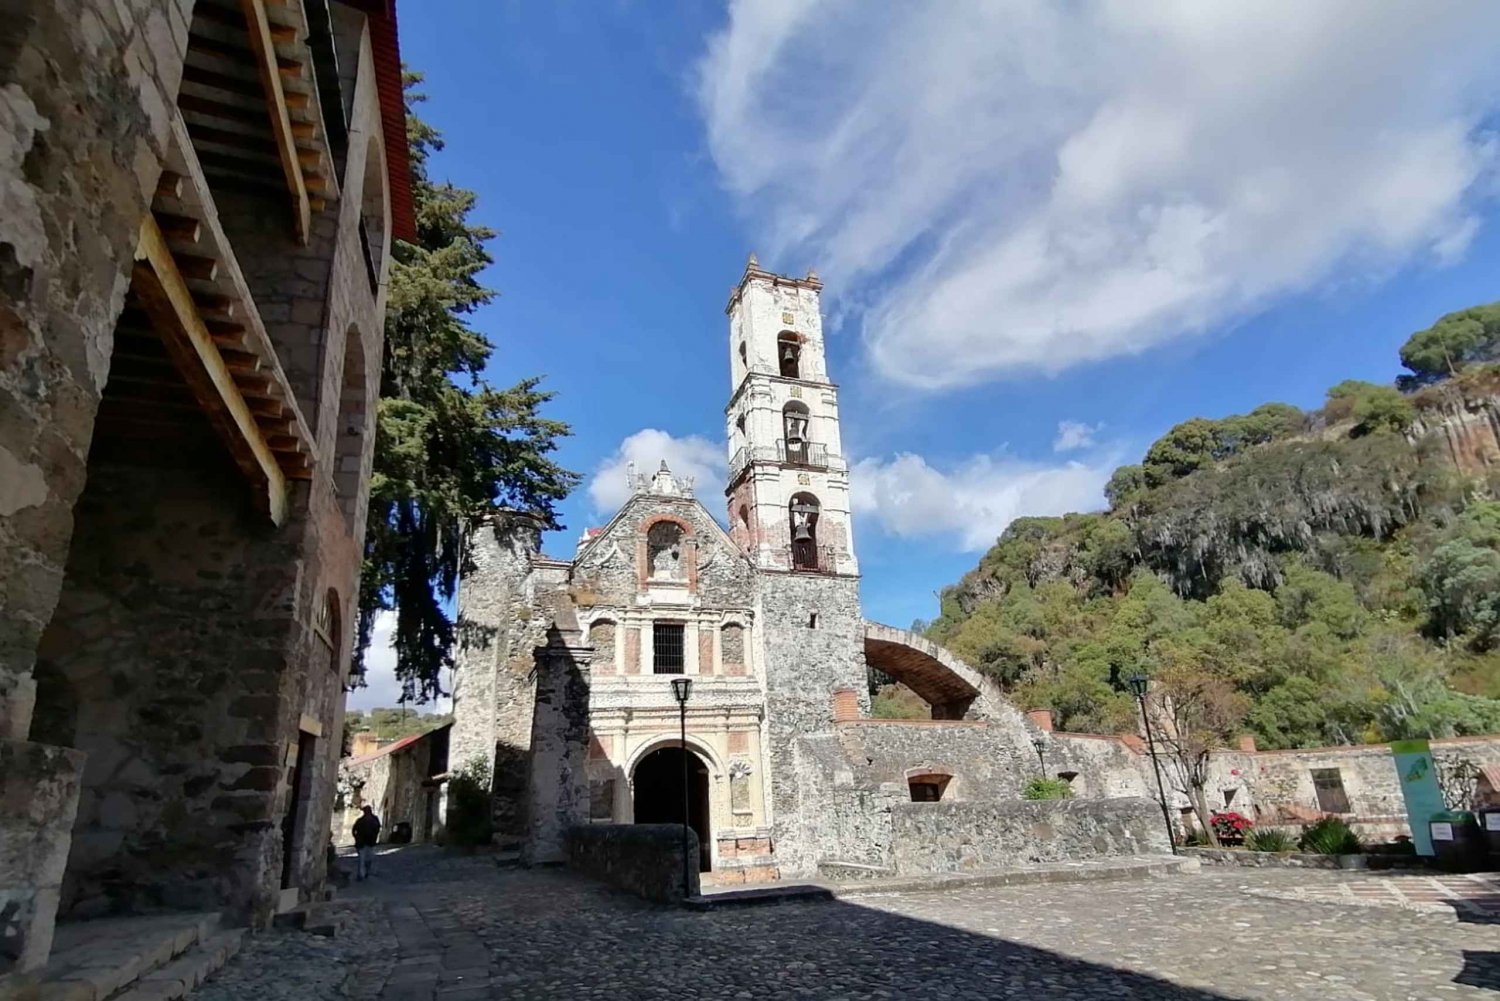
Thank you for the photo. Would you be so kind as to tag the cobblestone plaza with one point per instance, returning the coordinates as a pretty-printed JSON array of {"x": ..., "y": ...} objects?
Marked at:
[{"x": 434, "y": 927}]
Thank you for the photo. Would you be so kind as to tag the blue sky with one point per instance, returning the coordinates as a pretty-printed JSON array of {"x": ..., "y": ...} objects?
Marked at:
[{"x": 1028, "y": 218}]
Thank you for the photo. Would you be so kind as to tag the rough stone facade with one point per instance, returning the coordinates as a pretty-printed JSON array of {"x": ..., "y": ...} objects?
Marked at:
[
  {"x": 955, "y": 837},
  {"x": 403, "y": 782},
  {"x": 185, "y": 438}
]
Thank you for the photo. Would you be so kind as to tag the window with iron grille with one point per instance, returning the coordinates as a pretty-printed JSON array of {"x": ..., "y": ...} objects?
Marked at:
[{"x": 667, "y": 648}]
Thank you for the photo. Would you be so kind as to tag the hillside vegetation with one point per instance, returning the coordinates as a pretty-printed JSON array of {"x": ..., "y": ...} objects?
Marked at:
[{"x": 1331, "y": 575}]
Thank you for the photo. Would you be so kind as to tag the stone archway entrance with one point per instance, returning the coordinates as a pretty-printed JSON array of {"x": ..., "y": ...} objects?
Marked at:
[{"x": 657, "y": 785}]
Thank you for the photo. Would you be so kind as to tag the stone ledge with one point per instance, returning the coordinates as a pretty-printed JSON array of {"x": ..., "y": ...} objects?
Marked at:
[
  {"x": 1139, "y": 867},
  {"x": 1305, "y": 860}
]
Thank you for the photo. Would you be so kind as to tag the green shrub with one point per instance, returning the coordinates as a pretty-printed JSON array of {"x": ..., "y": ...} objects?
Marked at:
[
  {"x": 1269, "y": 839},
  {"x": 470, "y": 820},
  {"x": 1047, "y": 789},
  {"x": 1329, "y": 836}
]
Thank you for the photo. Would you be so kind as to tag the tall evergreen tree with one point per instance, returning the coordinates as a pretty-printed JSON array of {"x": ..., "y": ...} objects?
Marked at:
[{"x": 448, "y": 446}]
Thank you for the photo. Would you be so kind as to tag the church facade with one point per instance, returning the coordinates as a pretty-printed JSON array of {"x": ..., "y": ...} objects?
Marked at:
[{"x": 563, "y": 687}]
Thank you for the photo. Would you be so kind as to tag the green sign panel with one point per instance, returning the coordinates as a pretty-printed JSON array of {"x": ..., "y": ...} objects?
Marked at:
[{"x": 1420, "y": 789}]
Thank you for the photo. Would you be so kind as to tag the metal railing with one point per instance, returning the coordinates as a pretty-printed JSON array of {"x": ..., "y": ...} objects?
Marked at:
[
  {"x": 802, "y": 453},
  {"x": 807, "y": 454},
  {"x": 811, "y": 559}
]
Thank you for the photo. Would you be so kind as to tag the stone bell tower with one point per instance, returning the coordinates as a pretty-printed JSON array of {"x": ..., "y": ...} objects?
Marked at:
[
  {"x": 788, "y": 480},
  {"x": 788, "y": 496}
]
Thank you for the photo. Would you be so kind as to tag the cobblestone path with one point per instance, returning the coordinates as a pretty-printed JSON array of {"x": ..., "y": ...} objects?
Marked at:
[
  {"x": 1475, "y": 896},
  {"x": 437, "y": 928}
]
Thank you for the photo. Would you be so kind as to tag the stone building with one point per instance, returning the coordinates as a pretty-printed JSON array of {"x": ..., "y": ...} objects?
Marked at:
[
  {"x": 402, "y": 781},
  {"x": 564, "y": 665},
  {"x": 197, "y": 201}
]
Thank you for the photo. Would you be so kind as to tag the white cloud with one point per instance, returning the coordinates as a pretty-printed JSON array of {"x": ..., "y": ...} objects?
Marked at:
[
  {"x": 1075, "y": 435},
  {"x": 975, "y": 501},
  {"x": 690, "y": 456},
  {"x": 996, "y": 187}
]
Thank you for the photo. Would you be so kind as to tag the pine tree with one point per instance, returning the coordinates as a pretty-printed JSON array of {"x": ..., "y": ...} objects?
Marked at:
[{"x": 448, "y": 446}]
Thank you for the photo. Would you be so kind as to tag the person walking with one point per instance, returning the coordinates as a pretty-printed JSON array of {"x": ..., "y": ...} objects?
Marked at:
[{"x": 366, "y": 833}]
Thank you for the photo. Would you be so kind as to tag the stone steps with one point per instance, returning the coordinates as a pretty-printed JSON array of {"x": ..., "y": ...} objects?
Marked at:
[
  {"x": 144, "y": 958},
  {"x": 189, "y": 970}
]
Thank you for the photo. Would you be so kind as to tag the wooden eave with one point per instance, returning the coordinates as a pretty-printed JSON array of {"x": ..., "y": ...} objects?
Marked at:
[
  {"x": 249, "y": 98},
  {"x": 200, "y": 305}
]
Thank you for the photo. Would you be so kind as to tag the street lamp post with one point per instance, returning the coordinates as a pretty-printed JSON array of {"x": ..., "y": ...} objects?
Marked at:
[
  {"x": 681, "y": 688},
  {"x": 1139, "y": 684},
  {"x": 1040, "y": 744}
]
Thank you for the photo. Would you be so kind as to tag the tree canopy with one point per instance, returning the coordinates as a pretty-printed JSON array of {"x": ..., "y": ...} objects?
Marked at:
[
  {"x": 1313, "y": 578},
  {"x": 448, "y": 445},
  {"x": 1453, "y": 342}
]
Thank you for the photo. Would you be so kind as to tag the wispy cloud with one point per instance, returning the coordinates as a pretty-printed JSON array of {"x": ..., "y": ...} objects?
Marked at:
[
  {"x": 692, "y": 455},
  {"x": 997, "y": 187},
  {"x": 971, "y": 503},
  {"x": 1072, "y": 436}
]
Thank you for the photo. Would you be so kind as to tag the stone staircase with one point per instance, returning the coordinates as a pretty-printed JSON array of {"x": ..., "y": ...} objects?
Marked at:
[{"x": 151, "y": 958}]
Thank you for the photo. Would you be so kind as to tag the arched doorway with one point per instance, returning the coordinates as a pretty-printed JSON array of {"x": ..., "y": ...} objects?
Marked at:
[{"x": 659, "y": 799}]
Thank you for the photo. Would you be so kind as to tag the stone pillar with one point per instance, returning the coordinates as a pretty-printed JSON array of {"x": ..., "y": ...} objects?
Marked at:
[
  {"x": 558, "y": 792},
  {"x": 38, "y": 799}
]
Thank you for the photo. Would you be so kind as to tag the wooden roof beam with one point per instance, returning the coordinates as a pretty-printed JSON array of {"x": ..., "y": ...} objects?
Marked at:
[
  {"x": 165, "y": 295},
  {"x": 264, "y": 47}
]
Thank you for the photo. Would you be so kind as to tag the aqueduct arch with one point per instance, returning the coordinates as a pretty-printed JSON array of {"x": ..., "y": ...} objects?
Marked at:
[{"x": 954, "y": 689}]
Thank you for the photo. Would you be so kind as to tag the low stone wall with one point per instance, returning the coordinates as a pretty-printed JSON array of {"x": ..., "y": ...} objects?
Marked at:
[
  {"x": 644, "y": 859},
  {"x": 956, "y": 837}
]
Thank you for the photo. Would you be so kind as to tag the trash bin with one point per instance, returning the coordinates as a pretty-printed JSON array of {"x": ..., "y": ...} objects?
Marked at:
[
  {"x": 1489, "y": 825},
  {"x": 1457, "y": 840}
]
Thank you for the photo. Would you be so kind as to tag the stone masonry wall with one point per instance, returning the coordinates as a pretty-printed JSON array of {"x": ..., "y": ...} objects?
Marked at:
[
  {"x": 195, "y": 647},
  {"x": 984, "y": 762},
  {"x": 494, "y": 685},
  {"x": 956, "y": 837},
  {"x": 85, "y": 90},
  {"x": 804, "y": 666},
  {"x": 1282, "y": 787},
  {"x": 643, "y": 859}
]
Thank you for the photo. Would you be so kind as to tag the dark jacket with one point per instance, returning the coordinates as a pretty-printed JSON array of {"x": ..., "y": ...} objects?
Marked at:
[{"x": 366, "y": 830}]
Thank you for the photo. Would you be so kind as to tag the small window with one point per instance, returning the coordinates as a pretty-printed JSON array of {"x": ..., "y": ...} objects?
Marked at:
[
  {"x": 744, "y": 358},
  {"x": 1229, "y": 797},
  {"x": 928, "y": 788},
  {"x": 1329, "y": 785},
  {"x": 812, "y": 620},
  {"x": 667, "y": 647},
  {"x": 1067, "y": 777}
]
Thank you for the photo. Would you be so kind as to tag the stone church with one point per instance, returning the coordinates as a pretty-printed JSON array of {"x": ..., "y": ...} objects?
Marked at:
[{"x": 563, "y": 690}]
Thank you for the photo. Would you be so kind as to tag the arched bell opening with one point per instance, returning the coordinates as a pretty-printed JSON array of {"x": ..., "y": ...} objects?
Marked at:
[
  {"x": 795, "y": 422},
  {"x": 804, "y": 511},
  {"x": 789, "y": 355}
]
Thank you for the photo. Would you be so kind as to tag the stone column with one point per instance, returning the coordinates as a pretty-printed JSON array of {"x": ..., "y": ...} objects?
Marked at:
[{"x": 558, "y": 793}]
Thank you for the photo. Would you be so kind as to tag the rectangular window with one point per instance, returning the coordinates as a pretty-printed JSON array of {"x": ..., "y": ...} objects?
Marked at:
[
  {"x": 667, "y": 647},
  {"x": 1329, "y": 785}
]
